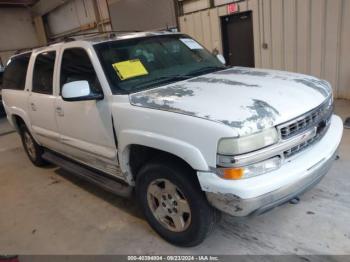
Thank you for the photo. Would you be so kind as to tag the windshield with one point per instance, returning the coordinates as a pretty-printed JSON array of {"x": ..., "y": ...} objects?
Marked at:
[{"x": 141, "y": 63}]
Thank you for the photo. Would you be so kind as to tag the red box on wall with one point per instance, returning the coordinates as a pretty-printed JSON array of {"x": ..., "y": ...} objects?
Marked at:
[{"x": 232, "y": 8}]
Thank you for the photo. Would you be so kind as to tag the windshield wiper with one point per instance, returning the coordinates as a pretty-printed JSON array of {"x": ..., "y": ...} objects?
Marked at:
[
  {"x": 207, "y": 69},
  {"x": 162, "y": 80}
]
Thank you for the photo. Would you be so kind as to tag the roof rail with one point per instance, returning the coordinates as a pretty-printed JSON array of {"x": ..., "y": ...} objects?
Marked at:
[{"x": 69, "y": 38}]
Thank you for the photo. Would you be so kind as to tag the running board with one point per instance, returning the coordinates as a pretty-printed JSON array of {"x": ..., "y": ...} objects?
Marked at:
[{"x": 104, "y": 181}]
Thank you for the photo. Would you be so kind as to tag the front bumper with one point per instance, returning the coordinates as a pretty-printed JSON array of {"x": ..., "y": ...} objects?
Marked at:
[{"x": 259, "y": 194}]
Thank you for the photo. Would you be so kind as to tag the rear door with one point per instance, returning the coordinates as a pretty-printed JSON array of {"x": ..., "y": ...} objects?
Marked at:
[
  {"x": 41, "y": 101},
  {"x": 85, "y": 127}
]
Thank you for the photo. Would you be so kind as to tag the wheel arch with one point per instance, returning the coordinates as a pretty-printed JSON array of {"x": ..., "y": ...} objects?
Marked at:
[
  {"x": 180, "y": 148},
  {"x": 135, "y": 156},
  {"x": 17, "y": 122},
  {"x": 139, "y": 155}
]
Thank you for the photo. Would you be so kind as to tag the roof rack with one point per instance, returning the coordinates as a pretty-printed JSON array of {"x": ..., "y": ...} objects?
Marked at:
[{"x": 68, "y": 38}]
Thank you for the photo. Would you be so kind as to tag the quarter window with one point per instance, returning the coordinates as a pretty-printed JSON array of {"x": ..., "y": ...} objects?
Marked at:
[
  {"x": 76, "y": 66},
  {"x": 43, "y": 73},
  {"x": 15, "y": 72}
]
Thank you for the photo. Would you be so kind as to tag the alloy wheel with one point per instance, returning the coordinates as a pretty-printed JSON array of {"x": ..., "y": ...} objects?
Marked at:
[
  {"x": 169, "y": 205},
  {"x": 29, "y": 143}
]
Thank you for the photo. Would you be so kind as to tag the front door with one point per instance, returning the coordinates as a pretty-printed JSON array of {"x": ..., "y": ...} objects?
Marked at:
[
  {"x": 85, "y": 127},
  {"x": 237, "y": 38}
]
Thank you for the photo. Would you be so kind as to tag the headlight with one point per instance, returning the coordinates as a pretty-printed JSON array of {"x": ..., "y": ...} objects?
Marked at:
[
  {"x": 241, "y": 145},
  {"x": 250, "y": 170}
]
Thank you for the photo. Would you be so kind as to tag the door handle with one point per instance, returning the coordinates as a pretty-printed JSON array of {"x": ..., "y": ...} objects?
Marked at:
[
  {"x": 59, "y": 111},
  {"x": 32, "y": 105}
]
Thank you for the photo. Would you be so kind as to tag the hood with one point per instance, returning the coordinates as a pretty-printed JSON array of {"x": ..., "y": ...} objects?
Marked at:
[{"x": 245, "y": 99}]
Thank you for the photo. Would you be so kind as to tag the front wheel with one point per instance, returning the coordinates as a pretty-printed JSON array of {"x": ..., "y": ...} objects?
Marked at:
[{"x": 174, "y": 204}]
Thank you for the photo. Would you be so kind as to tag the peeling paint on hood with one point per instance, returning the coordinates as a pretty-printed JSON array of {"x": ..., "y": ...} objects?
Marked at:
[{"x": 245, "y": 99}]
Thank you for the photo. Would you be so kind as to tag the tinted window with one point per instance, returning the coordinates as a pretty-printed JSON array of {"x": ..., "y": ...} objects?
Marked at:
[
  {"x": 43, "y": 73},
  {"x": 15, "y": 72},
  {"x": 76, "y": 66},
  {"x": 137, "y": 64}
]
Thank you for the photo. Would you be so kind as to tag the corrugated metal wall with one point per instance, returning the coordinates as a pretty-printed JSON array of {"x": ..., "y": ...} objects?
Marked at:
[
  {"x": 306, "y": 36},
  {"x": 16, "y": 31},
  {"x": 142, "y": 15},
  {"x": 77, "y": 15}
]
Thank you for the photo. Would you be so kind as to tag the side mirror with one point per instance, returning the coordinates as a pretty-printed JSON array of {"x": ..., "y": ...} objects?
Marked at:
[
  {"x": 221, "y": 58},
  {"x": 79, "y": 91}
]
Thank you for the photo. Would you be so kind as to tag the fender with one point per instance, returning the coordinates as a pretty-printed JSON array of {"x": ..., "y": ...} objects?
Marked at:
[
  {"x": 18, "y": 101},
  {"x": 187, "y": 152}
]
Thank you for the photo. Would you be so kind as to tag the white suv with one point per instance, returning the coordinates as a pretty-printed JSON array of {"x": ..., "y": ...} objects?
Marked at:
[{"x": 156, "y": 114}]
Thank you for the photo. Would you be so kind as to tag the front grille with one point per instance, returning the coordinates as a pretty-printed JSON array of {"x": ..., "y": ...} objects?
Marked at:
[
  {"x": 297, "y": 149},
  {"x": 318, "y": 119},
  {"x": 307, "y": 121},
  {"x": 300, "y": 125}
]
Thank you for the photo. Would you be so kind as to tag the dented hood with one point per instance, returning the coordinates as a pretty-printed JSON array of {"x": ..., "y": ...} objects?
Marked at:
[{"x": 245, "y": 99}]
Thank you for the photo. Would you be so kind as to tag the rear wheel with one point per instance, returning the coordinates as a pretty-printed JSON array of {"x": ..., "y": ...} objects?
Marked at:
[
  {"x": 33, "y": 150},
  {"x": 174, "y": 204}
]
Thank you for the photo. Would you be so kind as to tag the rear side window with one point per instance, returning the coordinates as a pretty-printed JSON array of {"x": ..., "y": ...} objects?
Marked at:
[
  {"x": 15, "y": 73},
  {"x": 76, "y": 66},
  {"x": 43, "y": 73}
]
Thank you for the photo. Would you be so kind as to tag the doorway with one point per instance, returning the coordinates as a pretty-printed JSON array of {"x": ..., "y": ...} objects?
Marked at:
[{"x": 238, "y": 39}]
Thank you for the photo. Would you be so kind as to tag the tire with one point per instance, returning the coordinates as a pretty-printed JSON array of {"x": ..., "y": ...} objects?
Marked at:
[
  {"x": 196, "y": 220},
  {"x": 33, "y": 150}
]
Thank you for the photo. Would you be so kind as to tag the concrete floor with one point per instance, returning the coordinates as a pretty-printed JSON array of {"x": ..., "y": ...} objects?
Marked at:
[{"x": 49, "y": 211}]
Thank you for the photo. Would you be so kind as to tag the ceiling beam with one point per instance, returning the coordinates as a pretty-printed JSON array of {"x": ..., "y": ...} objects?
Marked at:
[
  {"x": 44, "y": 7},
  {"x": 17, "y": 3}
]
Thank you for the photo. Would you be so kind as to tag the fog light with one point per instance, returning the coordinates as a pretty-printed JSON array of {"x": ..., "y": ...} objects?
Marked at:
[{"x": 250, "y": 170}]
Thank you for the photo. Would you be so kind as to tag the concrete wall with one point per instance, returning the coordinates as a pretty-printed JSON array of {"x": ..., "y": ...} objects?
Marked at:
[
  {"x": 17, "y": 31},
  {"x": 306, "y": 36},
  {"x": 142, "y": 14}
]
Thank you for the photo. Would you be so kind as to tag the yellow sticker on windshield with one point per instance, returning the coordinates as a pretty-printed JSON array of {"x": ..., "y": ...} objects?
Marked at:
[{"x": 129, "y": 69}]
